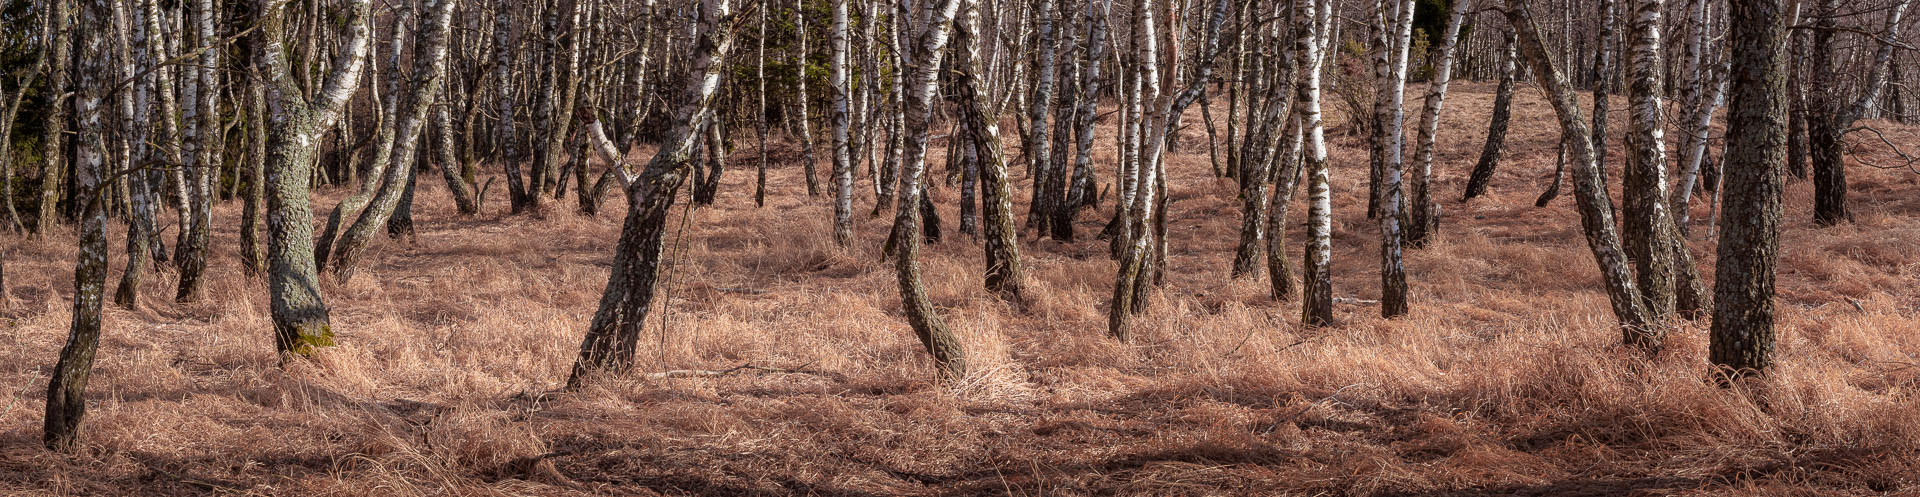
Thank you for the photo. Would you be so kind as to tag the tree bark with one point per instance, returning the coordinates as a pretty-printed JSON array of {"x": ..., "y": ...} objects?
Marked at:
[
  {"x": 1004, "y": 274},
  {"x": 1830, "y": 116},
  {"x": 923, "y": 67},
  {"x": 205, "y": 167},
  {"x": 53, "y": 151},
  {"x": 1390, "y": 146},
  {"x": 1497, "y": 124},
  {"x": 133, "y": 127},
  {"x": 612, "y": 338},
  {"x": 300, "y": 318},
  {"x": 1424, "y": 218},
  {"x": 1040, "y": 106},
  {"x": 806, "y": 128},
  {"x": 429, "y": 54},
  {"x": 842, "y": 154},
  {"x": 1596, "y": 211},
  {"x": 66, "y": 390},
  {"x": 1741, "y": 338},
  {"x": 1316, "y": 307}
]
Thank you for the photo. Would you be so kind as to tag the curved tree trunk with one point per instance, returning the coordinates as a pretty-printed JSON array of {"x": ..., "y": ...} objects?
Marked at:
[
  {"x": 1081, "y": 194},
  {"x": 429, "y": 54},
  {"x": 1424, "y": 217},
  {"x": 1004, "y": 274},
  {"x": 1830, "y": 116},
  {"x": 1596, "y": 211},
  {"x": 1496, "y": 125},
  {"x": 923, "y": 67},
  {"x": 613, "y": 336},
  {"x": 66, "y": 390}
]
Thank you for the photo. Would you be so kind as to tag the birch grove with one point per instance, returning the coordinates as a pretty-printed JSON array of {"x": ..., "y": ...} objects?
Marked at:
[{"x": 228, "y": 122}]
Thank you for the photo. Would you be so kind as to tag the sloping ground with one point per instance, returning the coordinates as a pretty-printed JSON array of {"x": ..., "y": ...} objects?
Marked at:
[{"x": 1505, "y": 379}]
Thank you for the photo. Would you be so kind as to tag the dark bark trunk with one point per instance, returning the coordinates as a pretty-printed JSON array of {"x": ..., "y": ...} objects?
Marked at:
[
  {"x": 611, "y": 339},
  {"x": 1741, "y": 337},
  {"x": 1496, "y": 126}
]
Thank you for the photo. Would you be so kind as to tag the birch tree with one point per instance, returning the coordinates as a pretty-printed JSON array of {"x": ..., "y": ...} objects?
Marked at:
[
  {"x": 842, "y": 155},
  {"x": 1831, "y": 114},
  {"x": 1596, "y": 210},
  {"x": 929, "y": 35},
  {"x": 53, "y": 151},
  {"x": 1136, "y": 251},
  {"x": 1004, "y": 274},
  {"x": 203, "y": 133},
  {"x": 428, "y": 55},
  {"x": 66, "y": 390},
  {"x": 1496, "y": 141},
  {"x": 129, "y": 46},
  {"x": 1390, "y": 72},
  {"x": 1663, "y": 267},
  {"x": 1741, "y": 337},
  {"x": 296, "y": 123},
  {"x": 1423, "y": 218},
  {"x": 1311, "y": 19},
  {"x": 613, "y": 336}
]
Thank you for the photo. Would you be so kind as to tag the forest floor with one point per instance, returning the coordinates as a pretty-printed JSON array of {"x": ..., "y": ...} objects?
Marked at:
[{"x": 1506, "y": 378}]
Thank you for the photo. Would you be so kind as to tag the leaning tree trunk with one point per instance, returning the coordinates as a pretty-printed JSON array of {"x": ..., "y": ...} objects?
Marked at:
[
  {"x": 1004, "y": 274},
  {"x": 923, "y": 67},
  {"x": 1256, "y": 160},
  {"x": 613, "y": 336},
  {"x": 66, "y": 390},
  {"x": 1279, "y": 270},
  {"x": 1596, "y": 210},
  {"x": 1081, "y": 194},
  {"x": 1741, "y": 338},
  {"x": 372, "y": 180},
  {"x": 1424, "y": 217},
  {"x": 300, "y": 319},
  {"x": 1497, "y": 124},
  {"x": 443, "y": 152},
  {"x": 411, "y": 114}
]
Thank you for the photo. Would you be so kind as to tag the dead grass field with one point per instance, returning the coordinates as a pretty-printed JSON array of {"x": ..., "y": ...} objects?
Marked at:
[{"x": 1504, "y": 380}]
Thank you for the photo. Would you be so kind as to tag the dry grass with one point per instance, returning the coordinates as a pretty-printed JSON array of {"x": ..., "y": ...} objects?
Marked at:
[{"x": 1505, "y": 380}]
